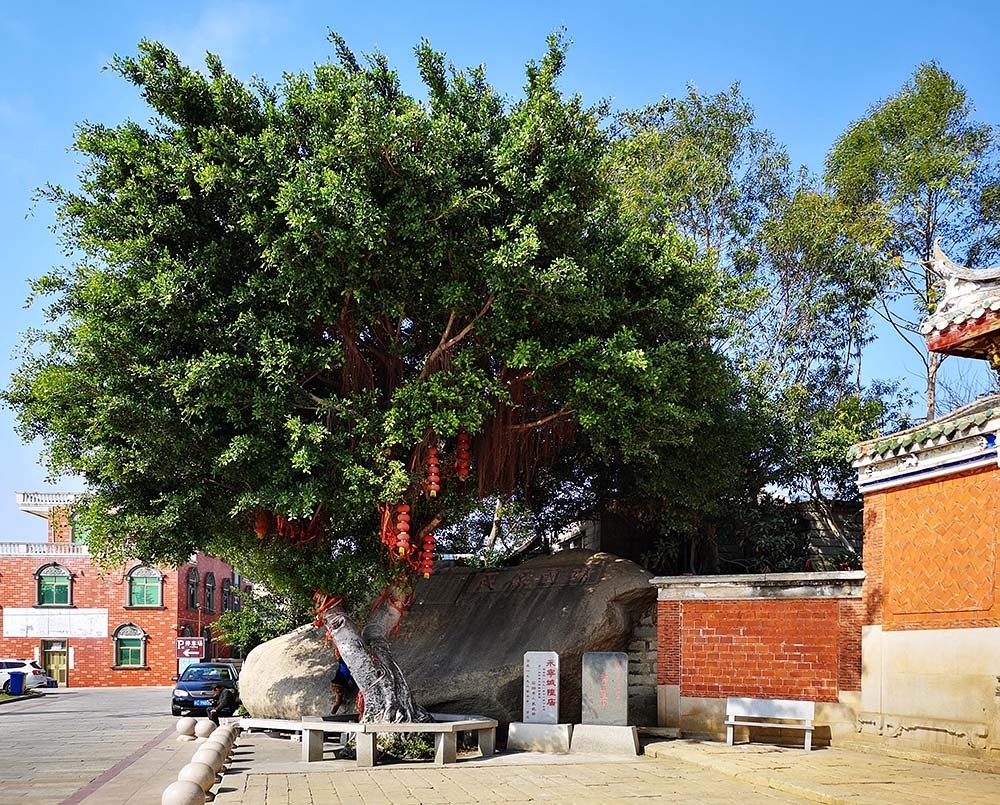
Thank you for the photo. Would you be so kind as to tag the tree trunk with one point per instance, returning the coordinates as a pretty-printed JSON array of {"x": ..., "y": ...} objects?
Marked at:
[
  {"x": 366, "y": 653},
  {"x": 934, "y": 361},
  {"x": 495, "y": 531}
]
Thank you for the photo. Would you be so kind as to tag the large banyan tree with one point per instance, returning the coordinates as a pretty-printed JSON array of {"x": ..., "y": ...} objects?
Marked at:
[{"x": 303, "y": 326}]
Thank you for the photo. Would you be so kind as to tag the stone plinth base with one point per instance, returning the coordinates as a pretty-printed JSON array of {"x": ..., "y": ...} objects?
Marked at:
[
  {"x": 539, "y": 737},
  {"x": 605, "y": 739}
]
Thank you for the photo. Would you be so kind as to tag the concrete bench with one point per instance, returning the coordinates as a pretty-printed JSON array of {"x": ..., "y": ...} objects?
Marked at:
[
  {"x": 313, "y": 730},
  {"x": 742, "y": 712},
  {"x": 444, "y": 728}
]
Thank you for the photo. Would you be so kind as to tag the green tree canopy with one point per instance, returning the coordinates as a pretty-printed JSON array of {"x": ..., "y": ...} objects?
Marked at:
[
  {"x": 918, "y": 165},
  {"x": 281, "y": 300},
  {"x": 795, "y": 271}
]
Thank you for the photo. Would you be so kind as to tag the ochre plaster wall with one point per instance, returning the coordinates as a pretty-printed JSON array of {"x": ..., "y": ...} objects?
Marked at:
[{"x": 931, "y": 553}]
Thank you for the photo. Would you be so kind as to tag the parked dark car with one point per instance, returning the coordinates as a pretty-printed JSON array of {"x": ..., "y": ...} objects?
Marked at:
[{"x": 193, "y": 691}]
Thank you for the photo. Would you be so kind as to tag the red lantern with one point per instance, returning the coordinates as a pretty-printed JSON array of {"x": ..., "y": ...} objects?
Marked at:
[
  {"x": 427, "y": 556},
  {"x": 463, "y": 455},
  {"x": 433, "y": 472},
  {"x": 403, "y": 528}
]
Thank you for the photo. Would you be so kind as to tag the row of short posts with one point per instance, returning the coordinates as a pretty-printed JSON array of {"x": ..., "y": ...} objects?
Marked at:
[{"x": 215, "y": 746}]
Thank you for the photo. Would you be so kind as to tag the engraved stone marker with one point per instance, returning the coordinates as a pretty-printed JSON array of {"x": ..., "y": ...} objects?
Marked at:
[
  {"x": 605, "y": 688},
  {"x": 541, "y": 687}
]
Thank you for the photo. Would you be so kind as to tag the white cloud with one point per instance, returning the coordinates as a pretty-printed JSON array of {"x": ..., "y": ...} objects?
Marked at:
[{"x": 233, "y": 30}]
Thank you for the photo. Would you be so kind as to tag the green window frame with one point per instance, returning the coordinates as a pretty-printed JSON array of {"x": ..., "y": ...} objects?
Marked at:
[
  {"x": 129, "y": 651},
  {"x": 77, "y": 532},
  {"x": 145, "y": 587},
  {"x": 55, "y": 586},
  {"x": 130, "y": 646}
]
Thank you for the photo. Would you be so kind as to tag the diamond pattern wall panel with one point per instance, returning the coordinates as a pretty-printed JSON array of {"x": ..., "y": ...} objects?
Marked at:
[{"x": 940, "y": 546}]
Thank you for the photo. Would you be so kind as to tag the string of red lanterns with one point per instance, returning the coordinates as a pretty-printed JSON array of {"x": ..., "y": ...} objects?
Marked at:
[{"x": 397, "y": 521}]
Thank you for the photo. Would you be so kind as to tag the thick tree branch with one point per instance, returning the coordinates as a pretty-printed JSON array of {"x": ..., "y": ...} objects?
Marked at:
[
  {"x": 447, "y": 341},
  {"x": 544, "y": 420}
]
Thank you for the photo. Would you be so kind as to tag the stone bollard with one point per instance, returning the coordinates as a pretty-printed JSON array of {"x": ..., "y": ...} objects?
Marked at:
[
  {"x": 228, "y": 738},
  {"x": 185, "y": 728},
  {"x": 223, "y": 741},
  {"x": 183, "y": 792},
  {"x": 201, "y": 774},
  {"x": 211, "y": 756},
  {"x": 203, "y": 728}
]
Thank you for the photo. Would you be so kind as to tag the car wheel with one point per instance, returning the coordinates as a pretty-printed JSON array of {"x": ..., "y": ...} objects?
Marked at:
[
  {"x": 6, "y": 687},
  {"x": 175, "y": 710}
]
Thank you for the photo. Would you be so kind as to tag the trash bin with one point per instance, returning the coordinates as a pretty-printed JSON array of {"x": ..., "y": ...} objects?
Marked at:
[{"x": 16, "y": 686}]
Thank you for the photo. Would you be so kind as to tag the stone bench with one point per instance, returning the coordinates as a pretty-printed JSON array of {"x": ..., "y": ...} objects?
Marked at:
[
  {"x": 313, "y": 730},
  {"x": 444, "y": 728},
  {"x": 744, "y": 712}
]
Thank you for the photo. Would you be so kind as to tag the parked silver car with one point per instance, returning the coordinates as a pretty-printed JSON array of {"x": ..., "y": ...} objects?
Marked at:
[{"x": 34, "y": 674}]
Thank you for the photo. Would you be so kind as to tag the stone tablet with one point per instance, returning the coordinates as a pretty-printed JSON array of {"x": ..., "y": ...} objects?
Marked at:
[
  {"x": 541, "y": 687},
  {"x": 605, "y": 688}
]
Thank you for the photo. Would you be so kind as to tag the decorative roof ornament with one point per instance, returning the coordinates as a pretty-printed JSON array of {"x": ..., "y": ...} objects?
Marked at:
[{"x": 966, "y": 321}]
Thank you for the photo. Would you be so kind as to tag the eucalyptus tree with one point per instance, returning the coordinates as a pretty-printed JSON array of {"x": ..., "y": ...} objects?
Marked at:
[
  {"x": 304, "y": 326},
  {"x": 795, "y": 269},
  {"x": 919, "y": 165}
]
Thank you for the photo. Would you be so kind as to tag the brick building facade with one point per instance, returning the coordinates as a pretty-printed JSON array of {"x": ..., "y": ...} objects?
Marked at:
[
  {"x": 931, "y": 639},
  {"x": 773, "y": 636},
  {"x": 91, "y": 626},
  {"x": 932, "y": 597}
]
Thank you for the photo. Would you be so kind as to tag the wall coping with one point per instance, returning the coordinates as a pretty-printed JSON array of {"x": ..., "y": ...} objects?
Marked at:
[{"x": 827, "y": 584}]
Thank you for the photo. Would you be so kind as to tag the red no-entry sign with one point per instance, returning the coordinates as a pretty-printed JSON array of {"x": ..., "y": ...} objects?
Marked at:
[{"x": 188, "y": 647}]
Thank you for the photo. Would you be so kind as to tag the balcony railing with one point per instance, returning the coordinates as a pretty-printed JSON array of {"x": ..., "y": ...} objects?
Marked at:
[
  {"x": 45, "y": 499},
  {"x": 44, "y": 549}
]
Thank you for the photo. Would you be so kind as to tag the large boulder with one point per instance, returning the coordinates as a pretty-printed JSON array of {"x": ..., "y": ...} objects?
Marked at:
[
  {"x": 289, "y": 677},
  {"x": 462, "y": 644}
]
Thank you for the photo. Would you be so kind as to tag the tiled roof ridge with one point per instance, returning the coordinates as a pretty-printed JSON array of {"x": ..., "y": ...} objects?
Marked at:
[{"x": 975, "y": 413}]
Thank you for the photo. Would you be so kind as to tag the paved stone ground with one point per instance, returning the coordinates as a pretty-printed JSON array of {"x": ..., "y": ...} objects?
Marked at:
[
  {"x": 106, "y": 747},
  {"x": 838, "y": 776},
  {"x": 267, "y": 772},
  {"x": 53, "y": 746}
]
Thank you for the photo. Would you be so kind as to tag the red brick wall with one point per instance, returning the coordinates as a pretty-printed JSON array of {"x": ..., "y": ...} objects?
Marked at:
[
  {"x": 874, "y": 563},
  {"x": 766, "y": 648},
  {"x": 93, "y": 657},
  {"x": 930, "y": 553},
  {"x": 199, "y": 620},
  {"x": 851, "y": 619},
  {"x": 59, "y": 529},
  {"x": 668, "y": 644}
]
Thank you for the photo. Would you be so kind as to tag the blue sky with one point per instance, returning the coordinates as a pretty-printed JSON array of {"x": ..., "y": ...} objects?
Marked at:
[{"x": 809, "y": 69}]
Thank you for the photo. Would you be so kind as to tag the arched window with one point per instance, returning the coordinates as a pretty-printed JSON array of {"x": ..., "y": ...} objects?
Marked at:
[
  {"x": 206, "y": 633},
  {"x": 187, "y": 631},
  {"x": 145, "y": 587},
  {"x": 210, "y": 592},
  {"x": 193, "y": 578},
  {"x": 227, "y": 590},
  {"x": 55, "y": 586},
  {"x": 130, "y": 646}
]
